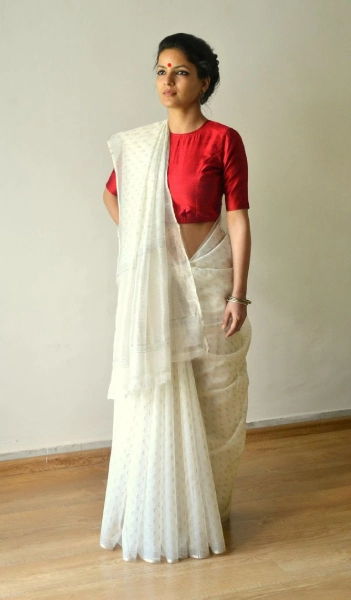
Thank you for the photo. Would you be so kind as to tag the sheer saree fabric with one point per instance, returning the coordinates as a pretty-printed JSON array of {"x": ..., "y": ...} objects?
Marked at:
[
  {"x": 158, "y": 316},
  {"x": 179, "y": 386},
  {"x": 177, "y": 446}
]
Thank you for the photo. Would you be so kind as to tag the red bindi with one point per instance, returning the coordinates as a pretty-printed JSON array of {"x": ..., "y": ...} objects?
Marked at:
[{"x": 169, "y": 65}]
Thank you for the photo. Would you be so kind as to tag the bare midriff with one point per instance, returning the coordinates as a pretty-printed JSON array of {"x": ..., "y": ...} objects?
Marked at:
[{"x": 193, "y": 235}]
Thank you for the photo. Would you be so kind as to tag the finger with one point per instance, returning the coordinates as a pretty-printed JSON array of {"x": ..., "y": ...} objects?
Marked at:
[
  {"x": 231, "y": 327},
  {"x": 235, "y": 326},
  {"x": 225, "y": 320}
]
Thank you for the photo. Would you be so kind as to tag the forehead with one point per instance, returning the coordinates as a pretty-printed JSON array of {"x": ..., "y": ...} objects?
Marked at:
[{"x": 173, "y": 56}]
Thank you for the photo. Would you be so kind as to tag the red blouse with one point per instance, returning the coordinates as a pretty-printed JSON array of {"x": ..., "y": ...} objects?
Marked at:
[{"x": 203, "y": 165}]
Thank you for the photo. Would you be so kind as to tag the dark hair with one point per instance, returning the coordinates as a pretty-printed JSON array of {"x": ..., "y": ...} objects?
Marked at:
[{"x": 197, "y": 52}]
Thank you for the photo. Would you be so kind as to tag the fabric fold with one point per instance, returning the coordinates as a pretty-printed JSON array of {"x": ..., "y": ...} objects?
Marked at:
[
  {"x": 177, "y": 447},
  {"x": 160, "y": 497},
  {"x": 179, "y": 386},
  {"x": 157, "y": 301}
]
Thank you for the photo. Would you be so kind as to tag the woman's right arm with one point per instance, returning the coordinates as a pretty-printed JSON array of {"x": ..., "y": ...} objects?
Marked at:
[{"x": 111, "y": 203}]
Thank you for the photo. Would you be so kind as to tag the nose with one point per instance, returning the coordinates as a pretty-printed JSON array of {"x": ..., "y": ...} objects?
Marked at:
[{"x": 169, "y": 79}]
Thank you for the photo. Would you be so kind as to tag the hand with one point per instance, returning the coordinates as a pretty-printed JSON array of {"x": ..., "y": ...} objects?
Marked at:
[{"x": 235, "y": 315}]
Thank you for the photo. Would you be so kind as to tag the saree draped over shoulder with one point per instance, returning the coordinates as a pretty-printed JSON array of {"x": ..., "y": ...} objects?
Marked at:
[{"x": 179, "y": 385}]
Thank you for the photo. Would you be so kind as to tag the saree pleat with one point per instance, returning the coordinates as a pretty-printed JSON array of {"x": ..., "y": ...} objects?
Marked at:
[{"x": 177, "y": 447}]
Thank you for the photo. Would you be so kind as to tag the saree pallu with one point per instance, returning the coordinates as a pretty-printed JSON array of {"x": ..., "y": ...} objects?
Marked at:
[{"x": 176, "y": 447}]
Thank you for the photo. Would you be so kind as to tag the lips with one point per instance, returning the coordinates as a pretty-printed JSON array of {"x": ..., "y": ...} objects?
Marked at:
[{"x": 169, "y": 93}]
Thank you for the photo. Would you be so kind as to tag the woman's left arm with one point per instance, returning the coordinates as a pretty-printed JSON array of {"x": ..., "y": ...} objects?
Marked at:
[{"x": 240, "y": 238}]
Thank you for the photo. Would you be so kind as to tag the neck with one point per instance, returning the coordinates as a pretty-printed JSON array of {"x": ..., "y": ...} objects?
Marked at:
[{"x": 185, "y": 121}]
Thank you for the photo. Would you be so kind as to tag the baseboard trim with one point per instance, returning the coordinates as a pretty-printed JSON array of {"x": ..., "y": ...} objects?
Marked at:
[
  {"x": 33, "y": 464},
  {"x": 77, "y": 455},
  {"x": 299, "y": 419},
  {"x": 294, "y": 429}
]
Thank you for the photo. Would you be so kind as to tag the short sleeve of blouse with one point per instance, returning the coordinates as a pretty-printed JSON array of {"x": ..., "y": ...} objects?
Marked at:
[
  {"x": 112, "y": 184},
  {"x": 235, "y": 171}
]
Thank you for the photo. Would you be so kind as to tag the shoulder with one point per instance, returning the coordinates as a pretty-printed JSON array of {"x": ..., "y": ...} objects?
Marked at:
[
  {"x": 228, "y": 138},
  {"x": 139, "y": 132},
  {"x": 224, "y": 131}
]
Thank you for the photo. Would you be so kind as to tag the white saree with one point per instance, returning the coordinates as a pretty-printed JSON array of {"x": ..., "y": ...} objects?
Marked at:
[{"x": 179, "y": 385}]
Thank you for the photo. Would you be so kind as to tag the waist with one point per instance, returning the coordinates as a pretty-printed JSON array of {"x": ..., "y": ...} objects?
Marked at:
[{"x": 193, "y": 235}]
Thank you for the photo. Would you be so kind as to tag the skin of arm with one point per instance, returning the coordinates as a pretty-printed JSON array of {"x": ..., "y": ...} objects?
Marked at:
[
  {"x": 111, "y": 203},
  {"x": 240, "y": 238}
]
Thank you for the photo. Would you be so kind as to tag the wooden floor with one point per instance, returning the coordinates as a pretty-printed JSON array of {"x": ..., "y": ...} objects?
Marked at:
[{"x": 289, "y": 536}]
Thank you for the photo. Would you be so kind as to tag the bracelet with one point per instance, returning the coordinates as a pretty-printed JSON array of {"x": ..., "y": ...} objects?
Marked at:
[{"x": 244, "y": 301}]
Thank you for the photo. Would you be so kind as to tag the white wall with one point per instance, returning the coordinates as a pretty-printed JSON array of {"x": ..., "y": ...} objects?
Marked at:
[{"x": 73, "y": 73}]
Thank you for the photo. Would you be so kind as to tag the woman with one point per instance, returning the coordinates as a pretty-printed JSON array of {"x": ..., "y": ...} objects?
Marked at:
[{"x": 179, "y": 379}]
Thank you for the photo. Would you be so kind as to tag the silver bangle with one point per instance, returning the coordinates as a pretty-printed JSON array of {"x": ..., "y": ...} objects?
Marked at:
[{"x": 244, "y": 301}]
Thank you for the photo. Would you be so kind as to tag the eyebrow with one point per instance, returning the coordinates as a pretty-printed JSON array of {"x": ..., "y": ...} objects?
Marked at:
[{"x": 177, "y": 67}]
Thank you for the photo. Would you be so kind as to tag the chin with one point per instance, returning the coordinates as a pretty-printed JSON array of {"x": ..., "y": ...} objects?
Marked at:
[{"x": 169, "y": 101}]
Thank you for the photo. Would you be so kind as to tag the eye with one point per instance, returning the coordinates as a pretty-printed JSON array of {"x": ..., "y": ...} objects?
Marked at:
[
  {"x": 161, "y": 72},
  {"x": 182, "y": 73}
]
